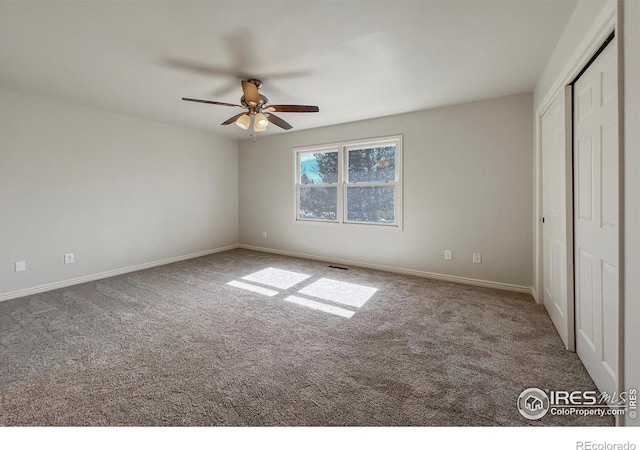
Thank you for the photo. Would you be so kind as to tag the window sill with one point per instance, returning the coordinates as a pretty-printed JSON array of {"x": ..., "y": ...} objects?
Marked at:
[{"x": 349, "y": 225}]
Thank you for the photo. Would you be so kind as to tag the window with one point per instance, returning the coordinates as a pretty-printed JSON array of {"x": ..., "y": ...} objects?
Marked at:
[
  {"x": 350, "y": 182},
  {"x": 318, "y": 187}
]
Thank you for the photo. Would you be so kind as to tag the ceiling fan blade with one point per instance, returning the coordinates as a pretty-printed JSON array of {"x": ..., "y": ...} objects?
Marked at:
[
  {"x": 210, "y": 102},
  {"x": 250, "y": 92},
  {"x": 232, "y": 119},
  {"x": 292, "y": 108},
  {"x": 279, "y": 122}
]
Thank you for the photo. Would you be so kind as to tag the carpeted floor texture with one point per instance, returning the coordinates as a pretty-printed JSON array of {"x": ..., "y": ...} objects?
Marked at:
[{"x": 178, "y": 346}]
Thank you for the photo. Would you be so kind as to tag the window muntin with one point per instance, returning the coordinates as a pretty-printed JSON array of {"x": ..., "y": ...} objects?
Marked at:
[{"x": 350, "y": 183}]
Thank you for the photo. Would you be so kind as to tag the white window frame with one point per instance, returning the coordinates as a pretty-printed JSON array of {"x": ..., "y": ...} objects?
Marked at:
[{"x": 343, "y": 148}]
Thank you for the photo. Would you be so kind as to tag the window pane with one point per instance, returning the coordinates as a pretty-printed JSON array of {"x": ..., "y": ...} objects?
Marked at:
[
  {"x": 317, "y": 168},
  {"x": 373, "y": 165},
  {"x": 371, "y": 204},
  {"x": 318, "y": 203}
]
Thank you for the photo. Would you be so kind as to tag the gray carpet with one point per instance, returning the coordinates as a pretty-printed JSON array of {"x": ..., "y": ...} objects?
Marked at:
[{"x": 178, "y": 346}]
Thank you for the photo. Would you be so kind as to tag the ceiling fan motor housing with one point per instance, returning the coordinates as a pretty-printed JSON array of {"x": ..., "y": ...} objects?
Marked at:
[
  {"x": 255, "y": 81},
  {"x": 253, "y": 109}
]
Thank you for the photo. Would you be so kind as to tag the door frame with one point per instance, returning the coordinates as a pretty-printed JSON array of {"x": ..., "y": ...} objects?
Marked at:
[{"x": 606, "y": 23}]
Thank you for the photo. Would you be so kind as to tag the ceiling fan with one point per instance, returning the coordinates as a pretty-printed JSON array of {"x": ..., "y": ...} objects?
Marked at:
[{"x": 259, "y": 113}]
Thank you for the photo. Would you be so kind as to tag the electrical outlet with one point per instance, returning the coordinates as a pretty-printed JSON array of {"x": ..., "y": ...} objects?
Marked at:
[
  {"x": 264, "y": 234},
  {"x": 477, "y": 258},
  {"x": 69, "y": 258},
  {"x": 20, "y": 266},
  {"x": 448, "y": 254}
]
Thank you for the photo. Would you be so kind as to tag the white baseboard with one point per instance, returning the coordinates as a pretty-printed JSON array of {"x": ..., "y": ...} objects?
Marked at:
[
  {"x": 110, "y": 273},
  {"x": 418, "y": 273},
  {"x": 534, "y": 294}
]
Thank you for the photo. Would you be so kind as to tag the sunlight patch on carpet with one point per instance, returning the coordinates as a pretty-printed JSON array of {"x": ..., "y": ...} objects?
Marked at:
[
  {"x": 318, "y": 295},
  {"x": 340, "y": 292},
  {"x": 252, "y": 288},
  {"x": 279, "y": 278},
  {"x": 320, "y": 306}
]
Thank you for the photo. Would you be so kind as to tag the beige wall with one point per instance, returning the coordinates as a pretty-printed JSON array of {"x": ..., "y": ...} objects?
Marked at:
[
  {"x": 114, "y": 190},
  {"x": 467, "y": 188}
]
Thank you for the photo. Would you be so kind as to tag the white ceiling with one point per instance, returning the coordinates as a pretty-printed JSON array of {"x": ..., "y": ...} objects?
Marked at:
[{"x": 354, "y": 59}]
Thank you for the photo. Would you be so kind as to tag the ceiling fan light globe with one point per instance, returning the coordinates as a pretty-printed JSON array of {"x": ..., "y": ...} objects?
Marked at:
[
  {"x": 258, "y": 128},
  {"x": 243, "y": 121},
  {"x": 261, "y": 121}
]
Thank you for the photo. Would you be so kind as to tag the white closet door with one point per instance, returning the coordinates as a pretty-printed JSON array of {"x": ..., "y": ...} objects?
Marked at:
[
  {"x": 596, "y": 216},
  {"x": 556, "y": 166}
]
